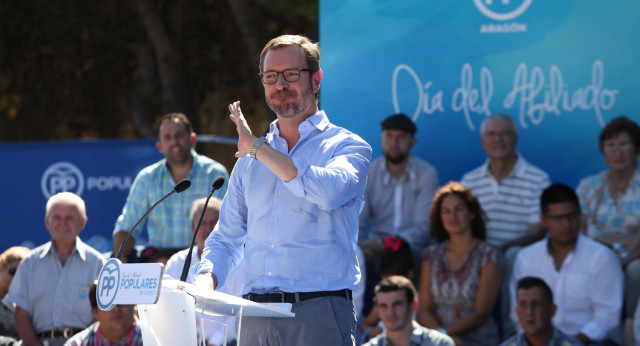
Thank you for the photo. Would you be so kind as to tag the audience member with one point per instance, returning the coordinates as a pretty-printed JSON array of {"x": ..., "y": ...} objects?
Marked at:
[
  {"x": 168, "y": 225},
  {"x": 508, "y": 188},
  {"x": 50, "y": 287},
  {"x": 584, "y": 275},
  {"x": 396, "y": 304},
  {"x": 460, "y": 276},
  {"x": 535, "y": 308},
  {"x": 610, "y": 201},
  {"x": 214, "y": 333},
  {"x": 293, "y": 203},
  {"x": 396, "y": 259},
  {"x": 399, "y": 189},
  {"x": 114, "y": 327},
  {"x": 9, "y": 261}
]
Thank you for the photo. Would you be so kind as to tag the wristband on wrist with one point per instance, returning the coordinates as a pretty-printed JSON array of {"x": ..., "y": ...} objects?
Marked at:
[{"x": 256, "y": 146}]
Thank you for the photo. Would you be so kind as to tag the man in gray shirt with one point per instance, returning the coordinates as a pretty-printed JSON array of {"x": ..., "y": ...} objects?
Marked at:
[{"x": 399, "y": 190}]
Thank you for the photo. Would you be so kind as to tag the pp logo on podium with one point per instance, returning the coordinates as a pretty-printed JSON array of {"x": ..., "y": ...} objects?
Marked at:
[{"x": 108, "y": 283}]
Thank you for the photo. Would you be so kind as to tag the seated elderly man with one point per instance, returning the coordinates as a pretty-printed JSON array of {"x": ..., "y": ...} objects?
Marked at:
[
  {"x": 114, "y": 327},
  {"x": 535, "y": 308},
  {"x": 50, "y": 287}
]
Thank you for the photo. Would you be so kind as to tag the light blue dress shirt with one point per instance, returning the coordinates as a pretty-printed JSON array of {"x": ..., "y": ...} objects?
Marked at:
[
  {"x": 56, "y": 296},
  {"x": 298, "y": 236}
]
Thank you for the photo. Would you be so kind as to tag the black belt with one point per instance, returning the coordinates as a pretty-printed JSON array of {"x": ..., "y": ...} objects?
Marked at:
[
  {"x": 286, "y": 297},
  {"x": 65, "y": 333}
]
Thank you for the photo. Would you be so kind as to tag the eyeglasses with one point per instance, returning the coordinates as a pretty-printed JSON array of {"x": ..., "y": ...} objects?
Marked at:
[
  {"x": 622, "y": 148},
  {"x": 571, "y": 217},
  {"x": 502, "y": 134},
  {"x": 289, "y": 75},
  {"x": 12, "y": 270}
]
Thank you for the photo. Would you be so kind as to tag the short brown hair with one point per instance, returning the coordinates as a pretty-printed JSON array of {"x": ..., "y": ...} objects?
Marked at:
[
  {"x": 181, "y": 118},
  {"x": 528, "y": 282},
  {"x": 478, "y": 228},
  {"x": 396, "y": 283},
  {"x": 619, "y": 125},
  {"x": 311, "y": 50}
]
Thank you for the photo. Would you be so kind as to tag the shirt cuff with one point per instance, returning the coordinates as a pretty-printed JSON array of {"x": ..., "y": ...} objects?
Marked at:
[
  {"x": 12, "y": 300},
  {"x": 295, "y": 185},
  {"x": 199, "y": 268}
]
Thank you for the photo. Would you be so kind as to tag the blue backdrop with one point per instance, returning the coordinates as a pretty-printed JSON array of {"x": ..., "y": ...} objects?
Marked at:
[
  {"x": 101, "y": 172},
  {"x": 561, "y": 69}
]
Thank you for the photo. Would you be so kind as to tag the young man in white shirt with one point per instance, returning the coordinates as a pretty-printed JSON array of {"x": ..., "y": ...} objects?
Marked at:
[{"x": 584, "y": 275}]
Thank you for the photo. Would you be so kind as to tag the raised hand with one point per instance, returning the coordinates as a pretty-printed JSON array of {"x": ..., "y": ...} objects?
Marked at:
[{"x": 245, "y": 137}]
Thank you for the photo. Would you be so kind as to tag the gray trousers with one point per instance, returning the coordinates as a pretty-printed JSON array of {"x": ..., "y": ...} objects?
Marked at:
[{"x": 318, "y": 321}]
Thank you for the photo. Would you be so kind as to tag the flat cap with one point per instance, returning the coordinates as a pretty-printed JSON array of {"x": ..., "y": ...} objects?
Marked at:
[{"x": 399, "y": 122}]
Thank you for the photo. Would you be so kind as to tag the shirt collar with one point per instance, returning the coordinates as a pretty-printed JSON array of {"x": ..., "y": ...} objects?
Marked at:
[
  {"x": 79, "y": 248},
  {"x": 195, "y": 162},
  {"x": 318, "y": 121},
  {"x": 517, "y": 170},
  {"x": 521, "y": 339},
  {"x": 416, "y": 334},
  {"x": 409, "y": 172},
  {"x": 575, "y": 248}
]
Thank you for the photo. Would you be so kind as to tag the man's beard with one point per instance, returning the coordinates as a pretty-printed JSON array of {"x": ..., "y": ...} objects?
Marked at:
[
  {"x": 290, "y": 110},
  {"x": 396, "y": 159},
  {"x": 180, "y": 159}
]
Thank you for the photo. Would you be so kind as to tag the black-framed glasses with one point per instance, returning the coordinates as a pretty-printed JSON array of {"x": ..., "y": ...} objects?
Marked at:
[
  {"x": 289, "y": 75},
  {"x": 571, "y": 217},
  {"x": 12, "y": 270}
]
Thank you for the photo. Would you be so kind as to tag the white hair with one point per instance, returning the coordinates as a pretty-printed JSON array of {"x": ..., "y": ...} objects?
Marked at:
[
  {"x": 70, "y": 198},
  {"x": 498, "y": 116},
  {"x": 198, "y": 204}
]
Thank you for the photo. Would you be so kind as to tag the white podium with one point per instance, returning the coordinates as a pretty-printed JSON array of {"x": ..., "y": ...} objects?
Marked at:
[{"x": 169, "y": 309}]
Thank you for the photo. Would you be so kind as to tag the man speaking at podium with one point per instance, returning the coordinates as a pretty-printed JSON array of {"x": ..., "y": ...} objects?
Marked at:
[{"x": 292, "y": 208}]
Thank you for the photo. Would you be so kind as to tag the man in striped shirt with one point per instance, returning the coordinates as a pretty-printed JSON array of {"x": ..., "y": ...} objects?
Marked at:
[{"x": 507, "y": 186}]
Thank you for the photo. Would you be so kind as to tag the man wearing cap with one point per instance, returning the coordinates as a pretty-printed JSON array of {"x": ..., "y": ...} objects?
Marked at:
[{"x": 398, "y": 193}]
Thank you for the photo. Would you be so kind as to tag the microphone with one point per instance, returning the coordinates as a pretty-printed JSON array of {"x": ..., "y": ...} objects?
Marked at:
[
  {"x": 181, "y": 186},
  {"x": 217, "y": 184}
]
